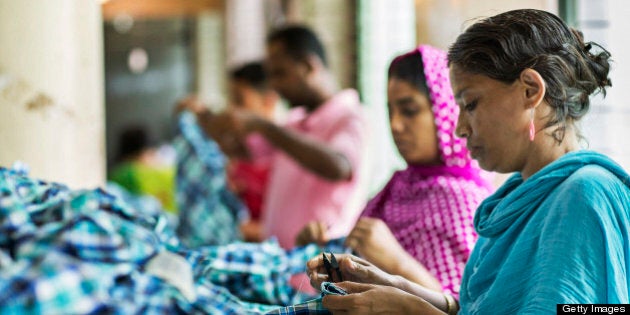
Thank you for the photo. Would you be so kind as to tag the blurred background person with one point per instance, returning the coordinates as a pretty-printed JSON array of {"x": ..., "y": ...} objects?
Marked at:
[
  {"x": 317, "y": 158},
  {"x": 141, "y": 170},
  {"x": 248, "y": 175}
]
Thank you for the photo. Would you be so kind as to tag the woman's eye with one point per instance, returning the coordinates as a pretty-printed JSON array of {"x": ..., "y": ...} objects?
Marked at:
[
  {"x": 470, "y": 106},
  {"x": 410, "y": 111}
]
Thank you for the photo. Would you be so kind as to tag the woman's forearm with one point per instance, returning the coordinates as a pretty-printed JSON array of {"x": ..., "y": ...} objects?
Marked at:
[
  {"x": 414, "y": 271},
  {"x": 437, "y": 299}
]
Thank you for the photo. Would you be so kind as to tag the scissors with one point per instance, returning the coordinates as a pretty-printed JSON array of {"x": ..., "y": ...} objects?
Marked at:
[{"x": 331, "y": 265}]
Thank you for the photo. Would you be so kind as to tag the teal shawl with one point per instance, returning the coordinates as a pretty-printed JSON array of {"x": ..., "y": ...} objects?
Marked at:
[{"x": 561, "y": 236}]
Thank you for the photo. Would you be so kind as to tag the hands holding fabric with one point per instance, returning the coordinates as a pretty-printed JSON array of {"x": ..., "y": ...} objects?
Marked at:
[
  {"x": 352, "y": 269},
  {"x": 370, "y": 290},
  {"x": 228, "y": 128}
]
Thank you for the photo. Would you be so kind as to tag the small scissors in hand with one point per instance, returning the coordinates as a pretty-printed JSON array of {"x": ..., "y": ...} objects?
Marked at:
[{"x": 331, "y": 265}]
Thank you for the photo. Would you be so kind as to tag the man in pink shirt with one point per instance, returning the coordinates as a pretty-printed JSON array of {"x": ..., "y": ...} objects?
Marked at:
[{"x": 316, "y": 165}]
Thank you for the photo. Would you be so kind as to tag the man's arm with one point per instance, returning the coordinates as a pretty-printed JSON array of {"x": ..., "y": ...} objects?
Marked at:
[{"x": 316, "y": 156}]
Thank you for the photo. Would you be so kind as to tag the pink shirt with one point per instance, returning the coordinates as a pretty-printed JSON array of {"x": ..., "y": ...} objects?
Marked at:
[{"x": 295, "y": 196}]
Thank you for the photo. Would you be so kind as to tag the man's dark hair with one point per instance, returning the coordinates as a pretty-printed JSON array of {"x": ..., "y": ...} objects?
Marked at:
[
  {"x": 253, "y": 74},
  {"x": 299, "y": 42}
]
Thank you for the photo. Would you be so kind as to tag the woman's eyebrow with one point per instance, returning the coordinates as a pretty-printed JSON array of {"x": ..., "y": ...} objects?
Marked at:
[{"x": 404, "y": 100}]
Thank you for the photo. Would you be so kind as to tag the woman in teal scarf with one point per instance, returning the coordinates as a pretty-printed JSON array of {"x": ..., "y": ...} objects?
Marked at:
[{"x": 557, "y": 232}]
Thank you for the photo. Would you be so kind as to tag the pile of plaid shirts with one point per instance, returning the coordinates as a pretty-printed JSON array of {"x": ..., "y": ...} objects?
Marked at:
[{"x": 65, "y": 251}]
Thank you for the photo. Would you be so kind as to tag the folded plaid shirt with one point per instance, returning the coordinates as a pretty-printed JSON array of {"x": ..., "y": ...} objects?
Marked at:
[{"x": 209, "y": 212}]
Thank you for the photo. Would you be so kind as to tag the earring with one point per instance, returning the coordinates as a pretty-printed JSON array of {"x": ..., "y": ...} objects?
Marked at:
[{"x": 532, "y": 129}]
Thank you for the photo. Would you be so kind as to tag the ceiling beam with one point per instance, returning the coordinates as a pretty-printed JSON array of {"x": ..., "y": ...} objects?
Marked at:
[{"x": 158, "y": 9}]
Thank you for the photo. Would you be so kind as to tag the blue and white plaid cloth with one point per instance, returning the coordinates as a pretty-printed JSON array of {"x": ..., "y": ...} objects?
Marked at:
[
  {"x": 255, "y": 272},
  {"x": 82, "y": 252},
  {"x": 210, "y": 213},
  {"x": 313, "y": 306},
  {"x": 150, "y": 206},
  {"x": 85, "y": 251}
]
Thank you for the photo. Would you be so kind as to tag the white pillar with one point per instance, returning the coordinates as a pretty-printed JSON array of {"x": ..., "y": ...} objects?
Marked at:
[
  {"x": 615, "y": 140},
  {"x": 387, "y": 28},
  {"x": 210, "y": 71},
  {"x": 51, "y": 89},
  {"x": 246, "y": 31}
]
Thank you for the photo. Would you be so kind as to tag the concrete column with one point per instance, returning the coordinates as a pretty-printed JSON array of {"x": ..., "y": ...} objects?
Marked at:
[
  {"x": 210, "y": 61},
  {"x": 387, "y": 28},
  {"x": 245, "y": 31},
  {"x": 51, "y": 89}
]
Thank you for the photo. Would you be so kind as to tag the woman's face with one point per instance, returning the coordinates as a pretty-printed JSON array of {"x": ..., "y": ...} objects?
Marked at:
[
  {"x": 493, "y": 118},
  {"x": 412, "y": 124}
]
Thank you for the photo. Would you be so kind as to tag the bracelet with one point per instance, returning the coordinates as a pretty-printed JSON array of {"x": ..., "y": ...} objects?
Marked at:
[{"x": 451, "y": 305}]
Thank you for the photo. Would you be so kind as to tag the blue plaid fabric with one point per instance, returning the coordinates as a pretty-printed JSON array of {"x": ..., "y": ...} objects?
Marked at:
[
  {"x": 54, "y": 283},
  {"x": 213, "y": 299},
  {"x": 85, "y": 251},
  {"x": 313, "y": 306},
  {"x": 209, "y": 213},
  {"x": 166, "y": 222},
  {"x": 253, "y": 272},
  {"x": 257, "y": 272},
  {"x": 82, "y": 252}
]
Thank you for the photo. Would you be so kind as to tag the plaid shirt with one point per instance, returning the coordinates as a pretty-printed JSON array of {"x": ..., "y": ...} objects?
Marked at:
[{"x": 209, "y": 213}]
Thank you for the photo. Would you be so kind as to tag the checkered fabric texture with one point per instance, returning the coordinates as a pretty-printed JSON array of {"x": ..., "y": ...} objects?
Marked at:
[
  {"x": 256, "y": 272},
  {"x": 313, "y": 306},
  {"x": 209, "y": 213},
  {"x": 85, "y": 251}
]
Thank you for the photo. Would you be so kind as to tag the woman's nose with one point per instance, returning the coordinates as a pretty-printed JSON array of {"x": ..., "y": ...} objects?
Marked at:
[
  {"x": 462, "y": 129},
  {"x": 396, "y": 123}
]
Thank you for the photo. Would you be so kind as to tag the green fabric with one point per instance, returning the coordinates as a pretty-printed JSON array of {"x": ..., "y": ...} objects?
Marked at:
[{"x": 141, "y": 179}]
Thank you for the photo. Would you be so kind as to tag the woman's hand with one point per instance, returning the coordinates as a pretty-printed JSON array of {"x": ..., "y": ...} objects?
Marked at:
[
  {"x": 313, "y": 232},
  {"x": 376, "y": 299},
  {"x": 352, "y": 269},
  {"x": 373, "y": 240}
]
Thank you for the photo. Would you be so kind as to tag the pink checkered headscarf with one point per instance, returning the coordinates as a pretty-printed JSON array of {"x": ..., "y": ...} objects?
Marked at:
[{"x": 430, "y": 208}]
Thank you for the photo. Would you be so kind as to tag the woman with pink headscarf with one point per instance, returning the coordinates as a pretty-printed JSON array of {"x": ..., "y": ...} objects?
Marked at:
[{"x": 420, "y": 226}]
